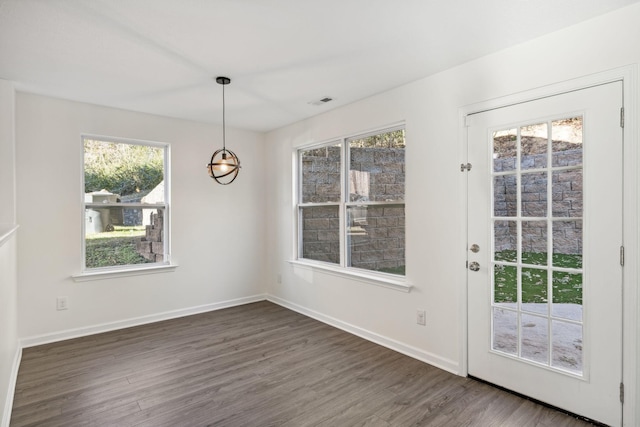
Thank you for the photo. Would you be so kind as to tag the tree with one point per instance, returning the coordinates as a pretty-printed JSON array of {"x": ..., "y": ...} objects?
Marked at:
[{"x": 121, "y": 168}]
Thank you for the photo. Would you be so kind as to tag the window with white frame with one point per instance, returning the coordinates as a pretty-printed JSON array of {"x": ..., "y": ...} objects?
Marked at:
[
  {"x": 351, "y": 209},
  {"x": 125, "y": 198}
]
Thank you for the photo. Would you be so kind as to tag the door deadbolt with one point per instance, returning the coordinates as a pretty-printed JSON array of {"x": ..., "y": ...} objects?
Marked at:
[
  {"x": 474, "y": 266},
  {"x": 475, "y": 248}
]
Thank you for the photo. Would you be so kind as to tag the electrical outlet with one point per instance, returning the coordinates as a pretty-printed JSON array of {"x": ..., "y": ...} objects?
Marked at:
[
  {"x": 279, "y": 278},
  {"x": 421, "y": 317},
  {"x": 62, "y": 303}
]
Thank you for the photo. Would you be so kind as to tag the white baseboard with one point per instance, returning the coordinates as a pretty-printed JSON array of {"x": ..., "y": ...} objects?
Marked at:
[
  {"x": 137, "y": 321},
  {"x": 8, "y": 404},
  {"x": 416, "y": 353}
]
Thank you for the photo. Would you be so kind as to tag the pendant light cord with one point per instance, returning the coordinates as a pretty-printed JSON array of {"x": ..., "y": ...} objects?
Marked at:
[{"x": 224, "y": 127}]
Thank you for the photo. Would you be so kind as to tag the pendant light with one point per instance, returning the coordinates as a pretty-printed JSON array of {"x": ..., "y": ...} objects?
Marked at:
[{"x": 224, "y": 165}]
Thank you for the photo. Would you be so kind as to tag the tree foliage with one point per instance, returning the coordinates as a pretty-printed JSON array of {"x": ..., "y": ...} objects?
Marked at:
[
  {"x": 394, "y": 139},
  {"x": 122, "y": 168}
]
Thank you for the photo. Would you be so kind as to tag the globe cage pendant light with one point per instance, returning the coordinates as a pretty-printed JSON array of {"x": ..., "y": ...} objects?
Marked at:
[{"x": 224, "y": 165}]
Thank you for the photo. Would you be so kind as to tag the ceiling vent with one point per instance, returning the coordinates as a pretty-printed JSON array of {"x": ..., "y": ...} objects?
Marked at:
[{"x": 321, "y": 101}]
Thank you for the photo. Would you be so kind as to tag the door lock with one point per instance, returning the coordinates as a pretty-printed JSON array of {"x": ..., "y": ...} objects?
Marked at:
[
  {"x": 474, "y": 248},
  {"x": 474, "y": 266}
]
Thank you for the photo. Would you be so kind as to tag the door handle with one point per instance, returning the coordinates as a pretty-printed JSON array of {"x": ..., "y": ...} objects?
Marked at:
[{"x": 474, "y": 266}]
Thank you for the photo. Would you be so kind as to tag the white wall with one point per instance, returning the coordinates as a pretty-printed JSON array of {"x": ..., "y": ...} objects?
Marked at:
[
  {"x": 217, "y": 238},
  {"x": 9, "y": 349},
  {"x": 436, "y": 251},
  {"x": 7, "y": 153}
]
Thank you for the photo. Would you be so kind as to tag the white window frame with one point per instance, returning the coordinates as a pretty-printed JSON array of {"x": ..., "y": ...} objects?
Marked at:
[
  {"x": 131, "y": 269},
  {"x": 388, "y": 280}
]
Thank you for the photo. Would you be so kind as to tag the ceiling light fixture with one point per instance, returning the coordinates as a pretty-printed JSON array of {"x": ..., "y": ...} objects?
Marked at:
[{"x": 224, "y": 165}]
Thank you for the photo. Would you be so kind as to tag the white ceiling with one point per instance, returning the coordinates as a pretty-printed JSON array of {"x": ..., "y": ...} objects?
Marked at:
[{"x": 161, "y": 56}]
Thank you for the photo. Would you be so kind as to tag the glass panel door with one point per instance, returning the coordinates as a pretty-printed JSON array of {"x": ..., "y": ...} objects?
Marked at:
[{"x": 544, "y": 283}]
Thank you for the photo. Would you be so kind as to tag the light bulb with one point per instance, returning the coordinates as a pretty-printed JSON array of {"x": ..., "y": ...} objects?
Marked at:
[{"x": 224, "y": 166}]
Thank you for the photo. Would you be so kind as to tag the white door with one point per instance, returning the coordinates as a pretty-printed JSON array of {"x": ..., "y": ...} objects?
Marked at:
[{"x": 544, "y": 234}]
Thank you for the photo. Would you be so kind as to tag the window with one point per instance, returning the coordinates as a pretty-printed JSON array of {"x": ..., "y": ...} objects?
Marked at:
[
  {"x": 351, "y": 202},
  {"x": 125, "y": 197}
]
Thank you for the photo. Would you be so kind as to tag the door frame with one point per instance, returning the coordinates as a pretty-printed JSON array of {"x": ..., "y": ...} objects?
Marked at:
[{"x": 631, "y": 181}]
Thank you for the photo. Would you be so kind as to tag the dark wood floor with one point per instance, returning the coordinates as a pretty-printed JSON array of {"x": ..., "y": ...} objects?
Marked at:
[{"x": 254, "y": 365}]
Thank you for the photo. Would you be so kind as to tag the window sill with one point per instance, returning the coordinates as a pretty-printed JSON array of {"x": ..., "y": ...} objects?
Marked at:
[
  {"x": 6, "y": 231},
  {"x": 386, "y": 281},
  {"x": 111, "y": 274}
]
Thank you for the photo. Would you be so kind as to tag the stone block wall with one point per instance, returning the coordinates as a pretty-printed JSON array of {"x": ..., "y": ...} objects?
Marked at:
[
  {"x": 376, "y": 240},
  {"x": 377, "y": 174},
  {"x": 320, "y": 234},
  {"x": 321, "y": 175},
  {"x": 375, "y": 233},
  {"x": 151, "y": 245},
  {"x": 566, "y": 202}
]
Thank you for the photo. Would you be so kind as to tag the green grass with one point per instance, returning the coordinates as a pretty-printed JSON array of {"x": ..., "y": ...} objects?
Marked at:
[
  {"x": 394, "y": 270},
  {"x": 117, "y": 247},
  {"x": 567, "y": 287}
]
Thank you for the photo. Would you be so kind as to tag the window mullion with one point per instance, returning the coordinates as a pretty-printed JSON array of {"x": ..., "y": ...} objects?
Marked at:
[{"x": 344, "y": 182}]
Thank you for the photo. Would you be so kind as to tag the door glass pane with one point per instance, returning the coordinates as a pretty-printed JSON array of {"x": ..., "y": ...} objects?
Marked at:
[
  {"x": 534, "y": 194},
  {"x": 567, "y": 295},
  {"x": 320, "y": 233},
  {"x": 505, "y": 327},
  {"x": 320, "y": 169},
  {"x": 505, "y": 150},
  {"x": 505, "y": 284},
  {"x": 533, "y": 146},
  {"x": 534, "y": 242},
  {"x": 505, "y": 196},
  {"x": 567, "y": 346},
  {"x": 566, "y": 136},
  {"x": 567, "y": 244},
  {"x": 505, "y": 241},
  {"x": 567, "y": 193},
  {"x": 534, "y": 290},
  {"x": 535, "y": 338}
]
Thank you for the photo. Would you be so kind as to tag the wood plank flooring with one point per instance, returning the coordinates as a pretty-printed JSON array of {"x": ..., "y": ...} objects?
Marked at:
[{"x": 254, "y": 365}]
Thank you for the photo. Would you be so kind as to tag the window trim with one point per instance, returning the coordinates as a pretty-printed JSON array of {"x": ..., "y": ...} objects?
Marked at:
[
  {"x": 131, "y": 269},
  {"x": 388, "y": 280}
]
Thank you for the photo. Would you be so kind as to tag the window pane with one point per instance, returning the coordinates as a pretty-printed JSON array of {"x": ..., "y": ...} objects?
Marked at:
[
  {"x": 534, "y": 242},
  {"x": 376, "y": 238},
  {"x": 505, "y": 196},
  {"x": 567, "y": 193},
  {"x": 320, "y": 233},
  {"x": 108, "y": 245},
  {"x": 567, "y": 295},
  {"x": 505, "y": 241},
  {"x": 566, "y": 135},
  {"x": 321, "y": 174},
  {"x": 535, "y": 338},
  {"x": 533, "y": 146},
  {"x": 505, "y": 284},
  {"x": 567, "y": 346},
  {"x": 123, "y": 173},
  {"x": 505, "y": 331},
  {"x": 505, "y": 150},
  {"x": 376, "y": 170},
  {"x": 567, "y": 244},
  {"x": 534, "y": 290},
  {"x": 534, "y": 194}
]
